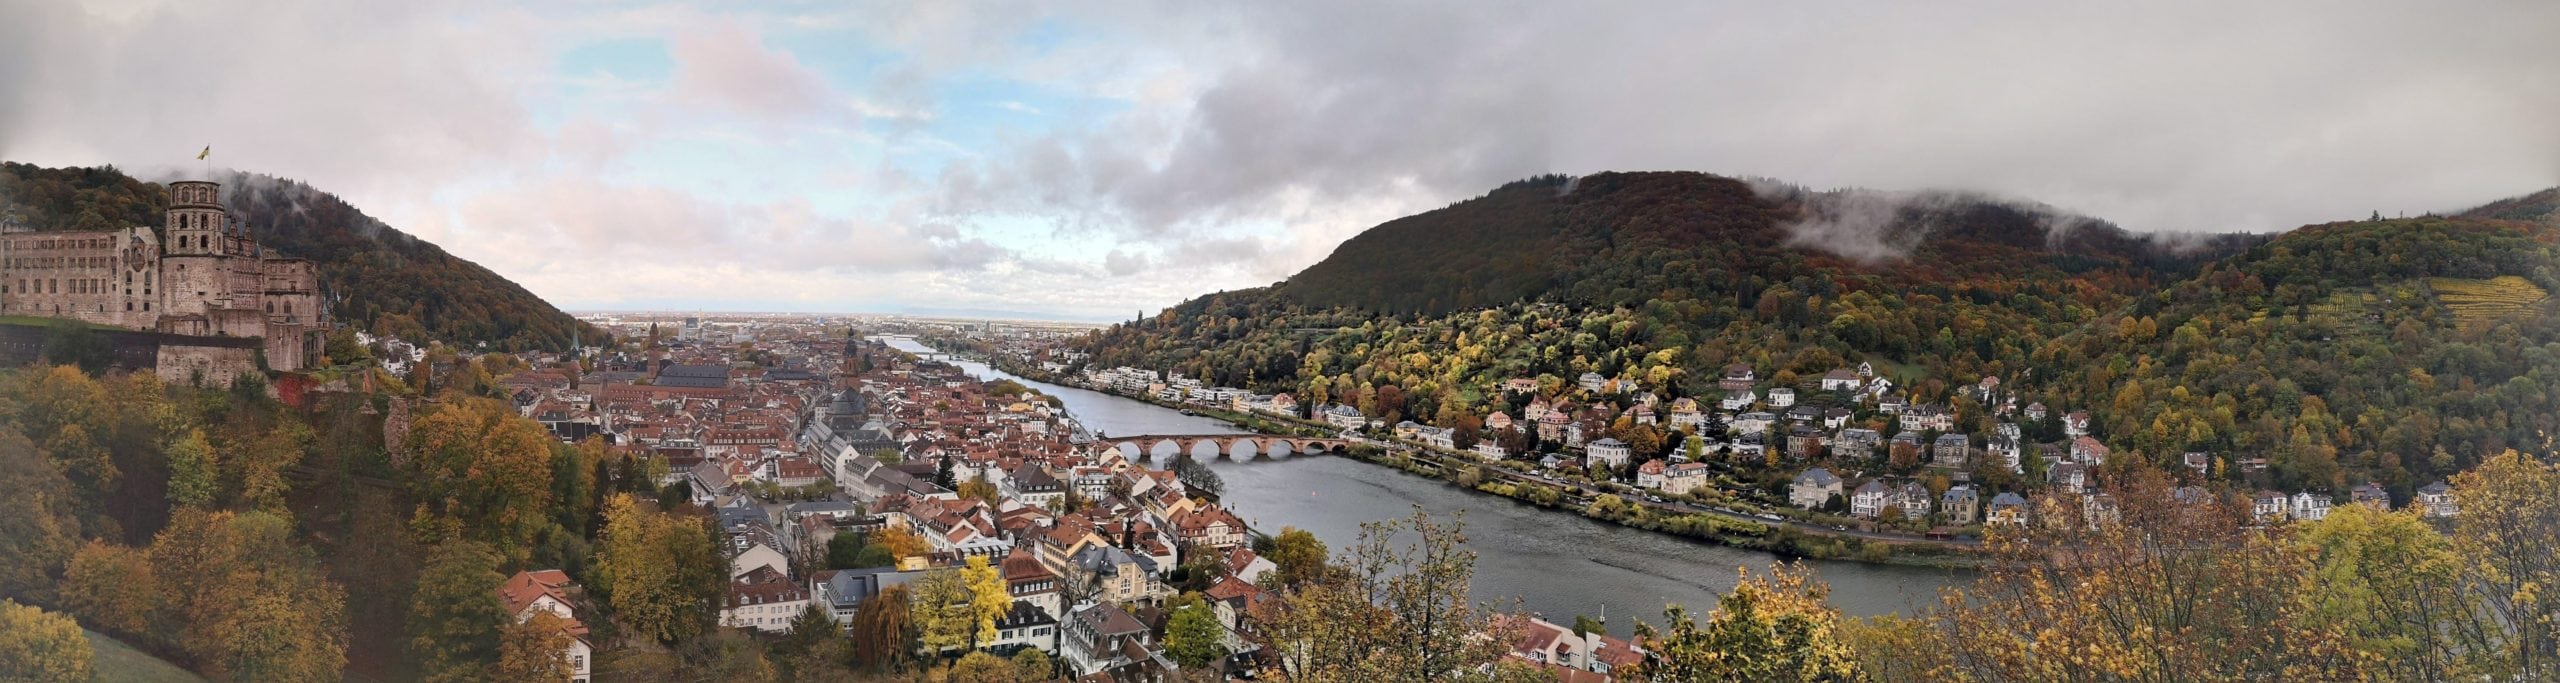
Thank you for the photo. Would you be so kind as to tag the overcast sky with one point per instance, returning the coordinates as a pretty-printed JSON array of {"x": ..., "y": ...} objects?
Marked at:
[{"x": 1095, "y": 160}]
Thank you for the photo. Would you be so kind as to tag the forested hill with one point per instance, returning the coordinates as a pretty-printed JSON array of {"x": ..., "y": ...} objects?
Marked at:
[
  {"x": 2390, "y": 350},
  {"x": 1622, "y": 238},
  {"x": 2541, "y": 206},
  {"x": 380, "y": 279},
  {"x": 1663, "y": 278},
  {"x": 2395, "y": 351}
]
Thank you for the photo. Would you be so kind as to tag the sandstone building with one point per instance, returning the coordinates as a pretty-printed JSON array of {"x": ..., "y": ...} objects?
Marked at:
[{"x": 202, "y": 275}]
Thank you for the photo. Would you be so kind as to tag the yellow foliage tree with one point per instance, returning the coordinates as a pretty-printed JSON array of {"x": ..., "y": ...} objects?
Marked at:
[
  {"x": 1774, "y": 628},
  {"x": 42, "y": 647},
  {"x": 113, "y": 587},
  {"x": 989, "y": 597},
  {"x": 480, "y": 471},
  {"x": 534, "y": 650}
]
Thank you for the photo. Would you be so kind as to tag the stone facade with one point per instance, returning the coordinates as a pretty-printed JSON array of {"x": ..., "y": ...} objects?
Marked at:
[{"x": 201, "y": 275}]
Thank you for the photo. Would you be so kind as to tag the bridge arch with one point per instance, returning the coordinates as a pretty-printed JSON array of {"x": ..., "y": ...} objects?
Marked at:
[{"x": 1145, "y": 446}]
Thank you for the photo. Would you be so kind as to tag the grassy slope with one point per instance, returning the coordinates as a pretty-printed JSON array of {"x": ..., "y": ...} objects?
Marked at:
[{"x": 119, "y": 662}]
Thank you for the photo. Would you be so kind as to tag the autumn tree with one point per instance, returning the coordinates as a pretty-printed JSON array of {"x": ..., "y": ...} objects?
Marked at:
[
  {"x": 246, "y": 602},
  {"x": 883, "y": 636},
  {"x": 2510, "y": 517},
  {"x": 192, "y": 470},
  {"x": 899, "y": 543},
  {"x": 1299, "y": 555},
  {"x": 113, "y": 587},
  {"x": 479, "y": 471},
  {"x": 258, "y": 465},
  {"x": 39, "y": 526},
  {"x": 1391, "y": 611},
  {"x": 982, "y": 667},
  {"x": 989, "y": 597},
  {"x": 660, "y": 572},
  {"x": 979, "y": 488},
  {"x": 42, "y": 647},
  {"x": 455, "y": 615},
  {"x": 533, "y": 650},
  {"x": 2397, "y": 588},
  {"x": 2139, "y": 586},
  {"x": 941, "y": 605},
  {"x": 1774, "y": 628}
]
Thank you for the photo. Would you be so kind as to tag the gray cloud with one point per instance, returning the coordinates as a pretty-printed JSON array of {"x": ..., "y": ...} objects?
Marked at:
[
  {"x": 1201, "y": 146},
  {"x": 2158, "y": 116}
]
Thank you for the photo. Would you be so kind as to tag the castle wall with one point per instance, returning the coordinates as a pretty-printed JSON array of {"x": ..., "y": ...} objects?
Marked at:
[
  {"x": 105, "y": 277},
  {"x": 195, "y": 284},
  {"x": 288, "y": 346},
  {"x": 292, "y": 293},
  {"x": 211, "y": 366},
  {"x": 174, "y": 358}
]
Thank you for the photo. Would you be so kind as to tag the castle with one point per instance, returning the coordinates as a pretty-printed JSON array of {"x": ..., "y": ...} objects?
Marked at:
[{"x": 208, "y": 278}]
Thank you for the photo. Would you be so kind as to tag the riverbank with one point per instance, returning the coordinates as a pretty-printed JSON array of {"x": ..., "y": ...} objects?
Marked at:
[
  {"x": 1560, "y": 565},
  {"x": 1612, "y": 504}
]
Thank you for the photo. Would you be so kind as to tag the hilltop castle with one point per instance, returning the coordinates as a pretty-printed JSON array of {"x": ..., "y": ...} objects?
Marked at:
[{"x": 208, "y": 278}]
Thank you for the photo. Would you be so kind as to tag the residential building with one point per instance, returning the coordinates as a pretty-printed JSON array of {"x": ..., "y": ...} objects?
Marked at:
[
  {"x": 2087, "y": 450},
  {"x": 1813, "y": 488},
  {"x": 2437, "y": 500},
  {"x": 2007, "y": 509},
  {"x": 1951, "y": 450},
  {"x": 1608, "y": 452},
  {"x": 2310, "y": 507},
  {"x": 1959, "y": 504},
  {"x": 1103, "y": 640},
  {"x": 763, "y": 600},
  {"x": 1870, "y": 499}
]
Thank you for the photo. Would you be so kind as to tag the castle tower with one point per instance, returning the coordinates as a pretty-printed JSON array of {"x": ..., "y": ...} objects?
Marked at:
[
  {"x": 194, "y": 273},
  {"x": 196, "y": 218}
]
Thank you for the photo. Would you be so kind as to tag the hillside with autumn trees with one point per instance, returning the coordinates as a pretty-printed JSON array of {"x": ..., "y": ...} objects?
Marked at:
[
  {"x": 377, "y": 277},
  {"x": 2418, "y": 345}
]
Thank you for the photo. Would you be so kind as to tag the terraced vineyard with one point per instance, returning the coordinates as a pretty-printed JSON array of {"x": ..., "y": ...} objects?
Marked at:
[{"x": 2478, "y": 302}]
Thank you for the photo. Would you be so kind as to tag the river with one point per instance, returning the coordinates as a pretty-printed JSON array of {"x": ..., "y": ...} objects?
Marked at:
[{"x": 1558, "y": 564}]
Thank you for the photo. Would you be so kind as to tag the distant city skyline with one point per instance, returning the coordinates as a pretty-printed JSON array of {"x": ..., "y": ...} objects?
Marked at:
[{"x": 1098, "y": 161}]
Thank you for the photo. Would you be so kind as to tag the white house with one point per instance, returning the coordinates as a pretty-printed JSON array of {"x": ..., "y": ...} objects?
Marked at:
[
  {"x": 1813, "y": 488},
  {"x": 1870, "y": 499},
  {"x": 764, "y": 600},
  {"x": 2437, "y": 500},
  {"x": 2310, "y": 507},
  {"x": 1608, "y": 451},
  {"x": 1782, "y": 397},
  {"x": 2269, "y": 506}
]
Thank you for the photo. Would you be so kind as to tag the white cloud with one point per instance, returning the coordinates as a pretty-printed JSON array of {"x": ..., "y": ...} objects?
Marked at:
[{"x": 1185, "y": 147}]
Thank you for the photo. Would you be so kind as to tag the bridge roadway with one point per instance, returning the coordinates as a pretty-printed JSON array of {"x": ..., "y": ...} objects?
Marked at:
[{"x": 1263, "y": 444}]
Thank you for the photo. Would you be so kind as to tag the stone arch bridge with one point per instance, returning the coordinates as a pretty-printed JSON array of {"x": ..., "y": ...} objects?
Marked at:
[{"x": 1263, "y": 444}]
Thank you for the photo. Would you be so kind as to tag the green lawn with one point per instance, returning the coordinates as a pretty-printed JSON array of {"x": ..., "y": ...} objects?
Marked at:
[{"x": 119, "y": 662}]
